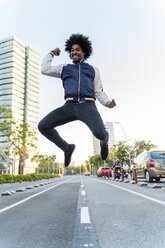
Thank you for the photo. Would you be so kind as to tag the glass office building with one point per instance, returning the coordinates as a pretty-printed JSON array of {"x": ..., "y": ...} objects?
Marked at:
[
  {"x": 19, "y": 86},
  {"x": 111, "y": 142},
  {"x": 110, "y": 129}
]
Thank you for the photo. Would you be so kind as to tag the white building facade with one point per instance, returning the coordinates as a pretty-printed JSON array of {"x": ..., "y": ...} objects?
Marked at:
[
  {"x": 19, "y": 87},
  {"x": 111, "y": 142}
]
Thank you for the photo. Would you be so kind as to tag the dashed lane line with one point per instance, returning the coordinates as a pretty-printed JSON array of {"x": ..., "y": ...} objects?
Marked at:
[
  {"x": 133, "y": 192},
  {"x": 30, "y": 197},
  {"x": 85, "y": 233},
  {"x": 83, "y": 192},
  {"x": 84, "y": 216}
]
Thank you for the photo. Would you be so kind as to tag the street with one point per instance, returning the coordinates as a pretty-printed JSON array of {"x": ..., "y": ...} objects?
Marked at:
[{"x": 79, "y": 211}]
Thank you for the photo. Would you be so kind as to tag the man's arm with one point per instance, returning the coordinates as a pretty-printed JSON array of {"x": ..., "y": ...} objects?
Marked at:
[
  {"x": 100, "y": 94},
  {"x": 47, "y": 68}
]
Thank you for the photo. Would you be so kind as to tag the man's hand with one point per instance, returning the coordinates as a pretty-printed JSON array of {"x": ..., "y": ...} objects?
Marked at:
[
  {"x": 111, "y": 104},
  {"x": 56, "y": 51}
]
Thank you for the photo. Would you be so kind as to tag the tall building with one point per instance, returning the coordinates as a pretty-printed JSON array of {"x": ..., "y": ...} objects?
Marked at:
[
  {"x": 111, "y": 142},
  {"x": 110, "y": 129},
  {"x": 19, "y": 86},
  {"x": 96, "y": 145}
]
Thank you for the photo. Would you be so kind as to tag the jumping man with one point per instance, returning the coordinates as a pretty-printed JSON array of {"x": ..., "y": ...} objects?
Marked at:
[{"x": 82, "y": 85}]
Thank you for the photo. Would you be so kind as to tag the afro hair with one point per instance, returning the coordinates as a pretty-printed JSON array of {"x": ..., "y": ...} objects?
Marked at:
[{"x": 81, "y": 40}]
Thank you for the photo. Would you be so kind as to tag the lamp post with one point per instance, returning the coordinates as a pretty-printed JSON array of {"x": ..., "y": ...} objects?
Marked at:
[
  {"x": 8, "y": 159},
  {"x": 15, "y": 144},
  {"x": 126, "y": 140}
]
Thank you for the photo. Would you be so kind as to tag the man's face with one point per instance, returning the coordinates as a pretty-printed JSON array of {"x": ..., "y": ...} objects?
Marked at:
[{"x": 77, "y": 53}]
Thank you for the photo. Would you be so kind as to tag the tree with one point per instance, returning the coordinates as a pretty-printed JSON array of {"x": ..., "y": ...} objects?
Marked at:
[
  {"x": 23, "y": 132},
  {"x": 122, "y": 151},
  {"x": 112, "y": 155},
  {"x": 87, "y": 165},
  {"x": 46, "y": 163},
  {"x": 96, "y": 161},
  {"x": 27, "y": 138},
  {"x": 141, "y": 145}
]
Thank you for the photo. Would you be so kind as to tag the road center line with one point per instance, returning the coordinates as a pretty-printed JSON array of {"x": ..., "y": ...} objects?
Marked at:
[
  {"x": 30, "y": 197},
  {"x": 133, "y": 192},
  {"x": 83, "y": 192},
  {"x": 85, "y": 234},
  {"x": 84, "y": 216}
]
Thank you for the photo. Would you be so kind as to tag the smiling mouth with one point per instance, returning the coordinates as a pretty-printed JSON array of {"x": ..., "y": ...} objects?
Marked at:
[{"x": 74, "y": 56}]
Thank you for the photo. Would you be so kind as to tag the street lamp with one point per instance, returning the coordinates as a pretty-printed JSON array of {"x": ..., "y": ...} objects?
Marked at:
[
  {"x": 15, "y": 144},
  {"x": 8, "y": 159},
  {"x": 126, "y": 140}
]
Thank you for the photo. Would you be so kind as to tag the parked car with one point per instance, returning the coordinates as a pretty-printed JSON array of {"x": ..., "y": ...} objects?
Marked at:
[
  {"x": 104, "y": 171},
  {"x": 87, "y": 173},
  {"x": 150, "y": 165}
]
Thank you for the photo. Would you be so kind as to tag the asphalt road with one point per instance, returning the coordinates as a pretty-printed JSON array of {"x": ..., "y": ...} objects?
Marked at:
[{"x": 79, "y": 211}]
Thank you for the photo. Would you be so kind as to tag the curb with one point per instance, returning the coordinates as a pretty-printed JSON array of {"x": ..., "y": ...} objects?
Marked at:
[
  {"x": 23, "y": 189},
  {"x": 141, "y": 184}
]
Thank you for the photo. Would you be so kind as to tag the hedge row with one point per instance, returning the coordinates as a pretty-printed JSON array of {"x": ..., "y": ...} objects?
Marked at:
[{"x": 7, "y": 178}]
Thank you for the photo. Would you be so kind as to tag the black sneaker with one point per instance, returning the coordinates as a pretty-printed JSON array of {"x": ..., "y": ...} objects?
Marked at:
[
  {"x": 68, "y": 155},
  {"x": 104, "y": 149}
]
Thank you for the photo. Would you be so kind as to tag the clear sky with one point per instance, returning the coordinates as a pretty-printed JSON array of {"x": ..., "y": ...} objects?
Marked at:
[{"x": 128, "y": 38}]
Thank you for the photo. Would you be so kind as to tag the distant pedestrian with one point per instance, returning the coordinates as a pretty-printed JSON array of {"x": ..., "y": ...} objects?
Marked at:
[{"x": 82, "y": 85}]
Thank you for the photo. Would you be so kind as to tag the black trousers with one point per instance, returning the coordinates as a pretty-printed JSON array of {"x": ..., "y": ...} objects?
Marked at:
[{"x": 71, "y": 111}]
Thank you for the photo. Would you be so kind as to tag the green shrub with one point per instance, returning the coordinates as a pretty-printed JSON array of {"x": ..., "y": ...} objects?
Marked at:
[
  {"x": 6, "y": 178},
  {"x": 18, "y": 178}
]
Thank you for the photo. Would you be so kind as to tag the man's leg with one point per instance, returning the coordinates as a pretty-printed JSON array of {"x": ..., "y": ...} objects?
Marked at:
[
  {"x": 56, "y": 118},
  {"x": 90, "y": 116}
]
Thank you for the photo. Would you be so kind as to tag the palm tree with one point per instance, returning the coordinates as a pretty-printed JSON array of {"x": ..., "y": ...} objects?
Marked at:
[{"x": 140, "y": 146}]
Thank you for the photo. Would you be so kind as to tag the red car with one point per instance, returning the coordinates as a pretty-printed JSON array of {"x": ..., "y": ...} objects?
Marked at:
[{"x": 104, "y": 171}]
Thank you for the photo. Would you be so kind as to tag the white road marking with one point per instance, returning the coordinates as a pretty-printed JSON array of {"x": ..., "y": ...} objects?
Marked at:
[
  {"x": 84, "y": 216},
  {"x": 30, "y": 197},
  {"x": 83, "y": 192},
  {"x": 88, "y": 245},
  {"x": 133, "y": 192}
]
